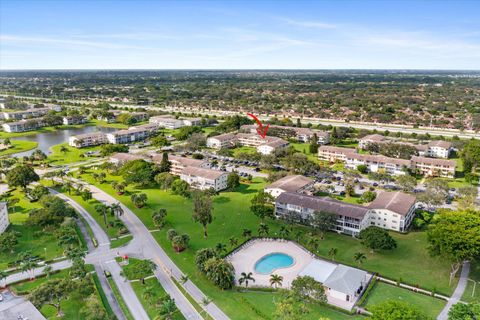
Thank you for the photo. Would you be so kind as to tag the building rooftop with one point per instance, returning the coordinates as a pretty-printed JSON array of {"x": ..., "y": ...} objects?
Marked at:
[
  {"x": 337, "y": 149},
  {"x": 380, "y": 159},
  {"x": 186, "y": 162},
  {"x": 397, "y": 202},
  {"x": 345, "y": 279},
  {"x": 324, "y": 204},
  {"x": 126, "y": 157},
  {"x": 440, "y": 144},
  {"x": 374, "y": 137},
  {"x": 224, "y": 137},
  {"x": 201, "y": 172},
  {"x": 290, "y": 183},
  {"x": 434, "y": 161},
  {"x": 90, "y": 134}
]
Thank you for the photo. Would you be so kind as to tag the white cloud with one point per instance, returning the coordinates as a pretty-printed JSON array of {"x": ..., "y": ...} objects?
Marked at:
[{"x": 309, "y": 24}]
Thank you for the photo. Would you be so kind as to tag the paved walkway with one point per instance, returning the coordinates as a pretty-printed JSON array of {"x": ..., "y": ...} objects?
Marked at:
[
  {"x": 145, "y": 244},
  {"x": 457, "y": 294}
]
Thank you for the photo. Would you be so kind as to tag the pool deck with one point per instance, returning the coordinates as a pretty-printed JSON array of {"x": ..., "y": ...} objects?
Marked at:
[{"x": 245, "y": 259}]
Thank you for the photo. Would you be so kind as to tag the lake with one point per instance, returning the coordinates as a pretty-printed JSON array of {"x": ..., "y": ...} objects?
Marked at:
[{"x": 48, "y": 139}]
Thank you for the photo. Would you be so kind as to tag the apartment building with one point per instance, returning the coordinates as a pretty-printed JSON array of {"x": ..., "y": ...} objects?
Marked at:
[
  {"x": 222, "y": 141},
  {"x": 301, "y": 134},
  {"x": 192, "y": 121},
  {"x": 87, "y": 140},
  {"x": 439, "y": 149},
  {"x": 121, "y": 158},
  {"x": 390, "y": 210},
  {"x": 333, "y": 154},
  {"x": 167, "y": 122},
  {"x": 177, "y": 163},
  {"x": 375, "y": 163},
  {"x": 293, "y": 183},
  {"x": 204, "y": 179},
  {"x": 139, "y": 116},
  {"x": 23, "y": 125},
  {"x": 26, "y": 114},
  {"x": 433, "y": 167},
  {"x": 270, "y": 144},
  {"x": 75, "y": 119},
  {"x": 128, "y": 136},
  {"x": 4, "y": 221}
]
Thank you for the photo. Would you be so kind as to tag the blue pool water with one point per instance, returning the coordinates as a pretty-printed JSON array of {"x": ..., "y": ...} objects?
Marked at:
[{"x": 273, "y": 261}]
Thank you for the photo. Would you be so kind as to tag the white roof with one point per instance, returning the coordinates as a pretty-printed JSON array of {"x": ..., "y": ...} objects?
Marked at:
[
  {"x": 320, "y": 270},
  {"x": 345, "y": 279}
]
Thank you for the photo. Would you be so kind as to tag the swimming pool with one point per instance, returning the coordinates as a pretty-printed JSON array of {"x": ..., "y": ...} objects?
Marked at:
[{"x": 269, "y": 263}]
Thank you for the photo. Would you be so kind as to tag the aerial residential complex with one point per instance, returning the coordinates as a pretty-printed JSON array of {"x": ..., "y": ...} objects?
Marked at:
[
  {"x": 390, "y": 210},
  {"x": 168, "y": 122},
  {"x": 301, "y": 134},
  {"x": 204, "y": 179},
  {"x": 266, "y": 145},
  {"x": 294, "y": 183},
  {"x": 421, "y": 165}
]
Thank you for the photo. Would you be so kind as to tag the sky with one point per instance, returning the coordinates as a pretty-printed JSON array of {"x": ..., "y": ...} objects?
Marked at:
[{"x": 123, "y": 34}]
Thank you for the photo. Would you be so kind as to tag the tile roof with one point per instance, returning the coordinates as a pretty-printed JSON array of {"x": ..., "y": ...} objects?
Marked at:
[
  {"x": 397, "y": 202},
  {"x": 440, "y": 144},
  {"x": 201, "y": 172},
  {"x": 433, "y": 161},
  {"x": 290, "y": 183},
  {"x": 324, "y": 204},
  {"x": 337, "y": 149},
  {"x": 345, "y": 279}
]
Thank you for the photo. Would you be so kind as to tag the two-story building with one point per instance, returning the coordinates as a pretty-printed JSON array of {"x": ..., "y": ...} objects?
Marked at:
[
  {"x": 87, "y": 140},
  {"x": 293, "y": 183},
  {"x": 74, "y": 119},
  {"x": 166, "y": 122},
  {"x": 204, "y": 179},
  {"x": 433, "y": 167},
  {"x": 177, "y": 163},
  {"x": 439, "y": 149},
  {"x": 226, "y": 140},
  {"x": 26, "y": 114},
  {"x": 334, "y": 154},
  {"x": 376, "y": 163}
]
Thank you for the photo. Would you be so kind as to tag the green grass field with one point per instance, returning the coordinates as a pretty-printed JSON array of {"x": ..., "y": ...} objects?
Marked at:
[
  {"x": 382, "y": 291},
  {"x": 150, "y": 304},
  {"x": 19, "y": 146},
  {"x": 305, "y": 149},
  {"x": 71, "y": 156},
  {"x": 232, "y": 215}
]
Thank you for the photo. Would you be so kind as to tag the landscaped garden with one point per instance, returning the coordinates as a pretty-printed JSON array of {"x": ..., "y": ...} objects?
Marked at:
[
  {"x": 232, "y": 215},
  {"x": 65, "y": 154}
]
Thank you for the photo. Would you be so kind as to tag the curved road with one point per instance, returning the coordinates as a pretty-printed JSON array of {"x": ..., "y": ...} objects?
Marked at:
[{"x": 457, "y": 294}]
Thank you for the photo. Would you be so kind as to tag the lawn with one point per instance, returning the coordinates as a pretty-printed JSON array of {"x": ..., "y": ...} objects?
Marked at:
[
  {"x": 383, "y": 292},
  {"x": 305, "y": 149},
  {"x": 19, "y": 146},
  {"x": 473, "y": 276},
  {"x": 150, "y": 304},
  {"x": 71, "y": 307},
  {"x": 115, "y": 125},
  {"x": 72, "y": 154},
  {"x": 232, "y": 215},
  {"x": 243, "y": 149},
  {"x": 33, "y": 239}
]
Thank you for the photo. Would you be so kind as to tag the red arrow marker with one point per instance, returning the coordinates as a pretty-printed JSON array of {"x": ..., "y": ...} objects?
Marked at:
[{"x": 260, "y": 130}]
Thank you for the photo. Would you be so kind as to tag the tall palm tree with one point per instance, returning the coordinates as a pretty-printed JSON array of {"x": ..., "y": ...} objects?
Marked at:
[
  {"x": 220, "y": 248},
  {"x": 284, "y": 232},
  {"x": 359, "y": 257},
  {"x": 245, "y": 278},
  {"x": 247, "y": 233},
  {"x": 233, "y": 241},
  {"x": 68, "y": 186},
  {"x": 332, "y": 253},
  {"x": 117, "y": 209},
  {"x": 102, "y": 209},
  {"x": 3, "y": 278},
  {"x": 263, "y": 230},
  {"x": 148, "y": 293},
  {"x": 276, "y": 280}
]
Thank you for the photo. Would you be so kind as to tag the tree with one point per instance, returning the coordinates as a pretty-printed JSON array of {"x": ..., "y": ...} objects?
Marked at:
[
  {"x": 307, "y": 287},
  {"x": 159, "y": 141},
  {"x": 290, "y": 307},
  {"x": 406, "y": 182},
  {"x": 368, "y": 196},
  {"x": 362, "y": 168},
  {"x": 455, "y": 236},
  {"x": 332, "y": 253},
  {"x": 349, "y": 189},
  {"x": 323, "y": 221},
  {"x": 159, "y": 217},
  {"x": 245, "y": 278},
  {"x": 359, "y": 257},
  {"x": 168, "y": 307},
  {"x": 461, "y": 311},
  {"x": 52, "y": 293},
  {"x": 396, "y": 310},
  {"x": 27, "y": 263},
  {"x": 263, "y": 230},
  {"x": 313, "y": 147},
  {"x": 21, "y": 176},
  {"x": 233, "y": 241},
  {"x": 233, "y": 181},
  {"x": 377, "y": 238},
  {"x": 8, "y": 241},
  {"x": 93, "y": 309},
  {"x": 202, "y": 256},
  {"x": 261, "y": 205},
  {"x": 202, "y": 210},
  {"x": 64, "y": 149},
  {"x": 102, "y": 209},
  {"x": 181, "y": 188},
  {"x": 164, "y": 165},
  {"x": 3, "y": 278},
  {"x": 139, "y": 199},
  {"x": 47, "y": 270},
  {"x": 247, "y": 233},
  {"x": 467, "y": 196},
  {"x": 471, "y": 155},
  {"x": 220, "y": 272},
  {"x": 431, "y": 198},
  {"x": 180, "y": 242},
  {"x": 276, "y": 280},
  {"x": 164, "y": 180},
  {"x": 116, "y": 209},
  {"x": 139, "y": 172},
  {"x": 86, "y": 195}
]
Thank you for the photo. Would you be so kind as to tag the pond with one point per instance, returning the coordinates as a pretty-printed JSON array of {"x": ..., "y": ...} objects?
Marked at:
[{"x": 48, "y": 139}]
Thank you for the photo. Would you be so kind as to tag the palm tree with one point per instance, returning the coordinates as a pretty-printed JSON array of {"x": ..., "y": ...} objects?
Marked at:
[
  {"x": 184, "y": 278},
  {"x": 245, "y": 277},
  {"x": 48, "y": 270},
  {"x": 276, "y": 280},
  {"x": 117, "y": 209},
  {"x": 314, "y": 243},
  {"x": 233, "y": 241},
  {"x": 247, "y": 233},
  {"x": 63, "y": 149},
  {"x": 220, "y": 248},
  {"x": 284, "y": 232},
  {"x": 3, "y": 277},
  {"x": 332, "y": 253},
  {"x": 359, "y": 257},
  {"x": 263, "y": 230},
  {"x": 139, "y": 200},
  {"x": 68, "y": 186},
  {"x": 102, "y": 209},
  {"x": 27, "y": 263},
  {"x": 148, "y": 293}
]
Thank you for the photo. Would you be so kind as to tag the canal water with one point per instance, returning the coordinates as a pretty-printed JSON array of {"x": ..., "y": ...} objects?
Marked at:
[{"x": 46, "y": 140}]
